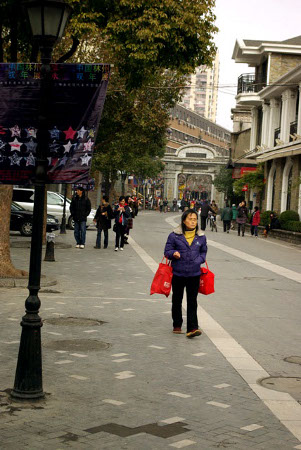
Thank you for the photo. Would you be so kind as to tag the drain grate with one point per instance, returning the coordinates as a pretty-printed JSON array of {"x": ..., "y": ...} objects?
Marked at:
[
  {"x": 73, "y": 321},
  {"x": 77, "y": 345},
  {"x": 291, "y": 385}
]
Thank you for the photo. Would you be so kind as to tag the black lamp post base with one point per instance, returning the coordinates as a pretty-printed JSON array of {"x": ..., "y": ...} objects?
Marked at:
[{"x": 24, "y": 395}]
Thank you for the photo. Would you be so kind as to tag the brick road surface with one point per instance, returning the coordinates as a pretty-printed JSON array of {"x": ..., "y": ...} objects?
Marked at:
[{"x": 127, "y": 382}]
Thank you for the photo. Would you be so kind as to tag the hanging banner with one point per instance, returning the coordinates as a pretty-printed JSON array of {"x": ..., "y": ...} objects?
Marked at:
[{"x": 77, "y": 98}]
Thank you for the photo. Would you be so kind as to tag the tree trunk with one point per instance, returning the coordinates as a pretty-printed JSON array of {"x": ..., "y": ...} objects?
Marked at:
[{"x": 7, "y": 270}]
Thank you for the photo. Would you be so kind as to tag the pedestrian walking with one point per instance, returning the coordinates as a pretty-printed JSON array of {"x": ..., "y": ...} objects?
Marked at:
[
  {"x": 242, "y": 217},
  {"x": 165, "y": 204},
  {"x": 234, "y": 216},
  {"x": 102, "y": 219},
  {"x": 186, "y": 247},
  {"x": 174, "y": 205},
  {"x": 226, "y": 217},
  {"x": 183, "y": 204},
  {"x": 255, "y": 221},
  {"x": 161, "y": 205},
  {"x": 205, "y": 208},
  {"x": 121, "y": 214},
  {"x": 80, "y": 208},
  {"x": 130, "y": 203}
]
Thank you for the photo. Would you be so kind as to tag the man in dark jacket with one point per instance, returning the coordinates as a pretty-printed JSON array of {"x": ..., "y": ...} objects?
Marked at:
[
  {"x": 80, "y": 208},
  {"x": 205, "y": 208},
  {"x": 226, "y": 218}
]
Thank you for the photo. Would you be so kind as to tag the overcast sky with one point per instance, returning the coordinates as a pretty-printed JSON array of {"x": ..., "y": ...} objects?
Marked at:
[{"x": 256, "y": 19}]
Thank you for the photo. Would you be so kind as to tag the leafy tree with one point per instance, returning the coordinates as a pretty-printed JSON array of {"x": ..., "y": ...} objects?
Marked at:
[
  {"x": 224, "y": 182},
  {"x": 254, "y": 180}
]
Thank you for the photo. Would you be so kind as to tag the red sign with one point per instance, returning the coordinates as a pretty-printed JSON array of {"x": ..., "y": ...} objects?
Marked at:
[
  {"x": 244, "y": 170},
  {"x": 245, "y": 187}
]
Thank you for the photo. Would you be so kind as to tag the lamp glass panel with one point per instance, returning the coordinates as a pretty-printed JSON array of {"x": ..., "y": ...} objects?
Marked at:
[
  {"x": 64, "y": 21},
  {"x": 35, "y": 18},
  {"x": 52, "y": 20}
]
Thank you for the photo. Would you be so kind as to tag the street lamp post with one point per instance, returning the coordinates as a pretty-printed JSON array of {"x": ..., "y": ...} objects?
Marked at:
[
  {"x": 63, "y": 224},
  {"x": 47, "y": 19}
]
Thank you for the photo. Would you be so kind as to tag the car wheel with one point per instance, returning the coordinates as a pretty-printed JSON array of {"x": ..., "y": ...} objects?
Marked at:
[
  {"x": 26, "y": 228},
  {"x": 71, "y": 223}
]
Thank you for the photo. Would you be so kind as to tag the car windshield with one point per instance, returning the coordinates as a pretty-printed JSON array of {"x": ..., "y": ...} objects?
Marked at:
[{"x": 16, "y": 207}]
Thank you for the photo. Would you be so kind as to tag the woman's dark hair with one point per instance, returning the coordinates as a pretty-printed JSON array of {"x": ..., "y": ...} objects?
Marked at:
[
  {"x": 106, "y": 198},
  {"x": 122, "y": 197},
  {"x": 256, "y": 208},
  {"x": 184, "y": 216}
]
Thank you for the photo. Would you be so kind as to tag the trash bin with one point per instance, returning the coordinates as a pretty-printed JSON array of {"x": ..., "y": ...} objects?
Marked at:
[{"x": 50, "y": 240}]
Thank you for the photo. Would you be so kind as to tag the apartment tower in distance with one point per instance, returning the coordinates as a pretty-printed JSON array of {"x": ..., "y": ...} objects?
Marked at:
[{"x": 201, "y": 96}]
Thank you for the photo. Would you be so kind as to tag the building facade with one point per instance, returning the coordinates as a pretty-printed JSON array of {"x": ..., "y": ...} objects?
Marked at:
[
  {"x": 201, "y": 95},
  {"x": 195, "y": 151},
  {"x": 272, "y": 92}
]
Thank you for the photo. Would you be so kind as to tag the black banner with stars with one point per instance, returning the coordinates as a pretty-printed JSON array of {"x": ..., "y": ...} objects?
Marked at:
[{"x": 77, "y": 100}]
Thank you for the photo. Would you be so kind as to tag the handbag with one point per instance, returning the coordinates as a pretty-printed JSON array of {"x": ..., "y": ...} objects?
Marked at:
[
  {"x": 115, "y": 227},
  {"x": 162, "y": 280},
  {"x": 206, "y": 281}
]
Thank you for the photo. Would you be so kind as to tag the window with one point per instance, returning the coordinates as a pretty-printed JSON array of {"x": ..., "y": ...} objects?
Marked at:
[
  {"x": 289, "y": 189},
  {"x": 53, "y": 199},
  {"x": 23, "y": 196}
]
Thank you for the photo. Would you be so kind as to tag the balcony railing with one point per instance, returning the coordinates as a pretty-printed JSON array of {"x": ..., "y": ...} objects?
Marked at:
[
  {"x": 276, "y": 135},
  {"x": 293, "y": 129},
  {"x": 247, "y": 83}
]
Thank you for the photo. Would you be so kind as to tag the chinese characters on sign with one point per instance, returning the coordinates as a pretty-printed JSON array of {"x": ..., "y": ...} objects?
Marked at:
[{"x": 76, "y": 103}]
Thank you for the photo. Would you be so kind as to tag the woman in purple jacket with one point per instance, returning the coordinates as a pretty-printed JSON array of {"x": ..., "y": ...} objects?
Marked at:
[{"x": 186, "y": 247}]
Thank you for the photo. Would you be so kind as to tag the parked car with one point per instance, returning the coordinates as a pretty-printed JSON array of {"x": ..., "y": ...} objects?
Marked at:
[
  {"x": 55, "y": 204},
  {"x": 21, "y": 220}
]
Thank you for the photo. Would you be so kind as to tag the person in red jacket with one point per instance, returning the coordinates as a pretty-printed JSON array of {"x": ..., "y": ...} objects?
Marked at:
[{"x": 255, "y": 221}]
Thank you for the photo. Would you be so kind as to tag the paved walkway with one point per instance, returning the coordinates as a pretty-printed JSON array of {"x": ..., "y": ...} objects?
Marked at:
[{"x": 124, "y": 381}]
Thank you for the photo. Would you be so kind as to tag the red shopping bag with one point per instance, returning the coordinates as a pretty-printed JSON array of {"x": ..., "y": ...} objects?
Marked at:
[
  {"x": 162, "y": 280},
  {"x": 206, "y": 281}
]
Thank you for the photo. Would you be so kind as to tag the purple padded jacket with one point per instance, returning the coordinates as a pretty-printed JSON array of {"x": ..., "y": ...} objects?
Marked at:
[{"x": 192, "y": 256}]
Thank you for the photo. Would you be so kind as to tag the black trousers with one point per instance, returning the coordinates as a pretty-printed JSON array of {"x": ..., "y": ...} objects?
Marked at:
[
  {"x": 192, "y": 287},
  {"x": 241, "y": 226},
  {"x": 226, "y": 224},
  {"x": 120, "y": 230},
  {"x": 203, "y": 223}
]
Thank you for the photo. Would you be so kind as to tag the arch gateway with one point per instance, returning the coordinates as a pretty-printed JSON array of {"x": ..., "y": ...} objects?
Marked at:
[{"x": 190, "y": 172}]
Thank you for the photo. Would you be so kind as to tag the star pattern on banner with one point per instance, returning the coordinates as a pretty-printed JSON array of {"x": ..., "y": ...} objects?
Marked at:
[
  {"x": 2, "y": 144},
  {"x": 67, "y": 147},
  {"x": 63, "y": 161},
  {"x": 54, "y": 147},
  {"x": 49, "y": 160},
  {"x": 15, "y": 145},
  {"x": 31, "y": 132},
  {"x": 15, "y": 131},
  {"x": 81, "y": 133},
  {"x": 54, "y": 133},
  {"x": 85, "y": 159},
  {"x": 88, "y": 145},
  {"x": 30, "y": 160},
  {"x": 70, "y": 133},
  {"x": 15, "y": 160},
  {"x": 31, "y": 145}
]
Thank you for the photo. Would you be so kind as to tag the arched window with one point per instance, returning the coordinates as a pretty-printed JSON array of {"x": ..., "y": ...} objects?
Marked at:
[
  {"x": 289, "y": 189},
  {"x": 273, "y": 191}
]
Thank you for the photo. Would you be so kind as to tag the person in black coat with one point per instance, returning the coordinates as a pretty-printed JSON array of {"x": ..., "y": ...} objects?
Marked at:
[
  {"x": 121, "y": 213},
  {"x": 80, "y": 208},
  {"x": 102, "y": 218},
  {"x": 205, "y": 208}
]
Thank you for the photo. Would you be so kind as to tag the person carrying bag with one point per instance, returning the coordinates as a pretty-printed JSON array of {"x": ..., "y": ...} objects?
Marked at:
[{"x": 186, "y": 247}]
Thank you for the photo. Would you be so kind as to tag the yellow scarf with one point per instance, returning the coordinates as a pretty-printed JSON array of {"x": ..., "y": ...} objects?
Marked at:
[{"x": 189, "y": 236}]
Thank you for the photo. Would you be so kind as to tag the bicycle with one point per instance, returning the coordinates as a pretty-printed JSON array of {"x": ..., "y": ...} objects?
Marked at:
[{"x": 213, "y": 223}]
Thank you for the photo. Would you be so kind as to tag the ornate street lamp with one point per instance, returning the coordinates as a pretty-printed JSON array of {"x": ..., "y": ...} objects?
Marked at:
[{"x": 47, "y": 19}]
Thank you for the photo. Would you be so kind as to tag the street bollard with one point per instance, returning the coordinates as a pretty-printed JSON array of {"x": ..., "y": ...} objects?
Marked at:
[{"x": 49, "y": 254}]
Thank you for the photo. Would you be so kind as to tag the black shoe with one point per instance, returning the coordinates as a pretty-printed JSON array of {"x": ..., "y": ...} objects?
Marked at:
[
  {"x": 105, "y": 246},
  {"x": 95, "y": 246}
]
